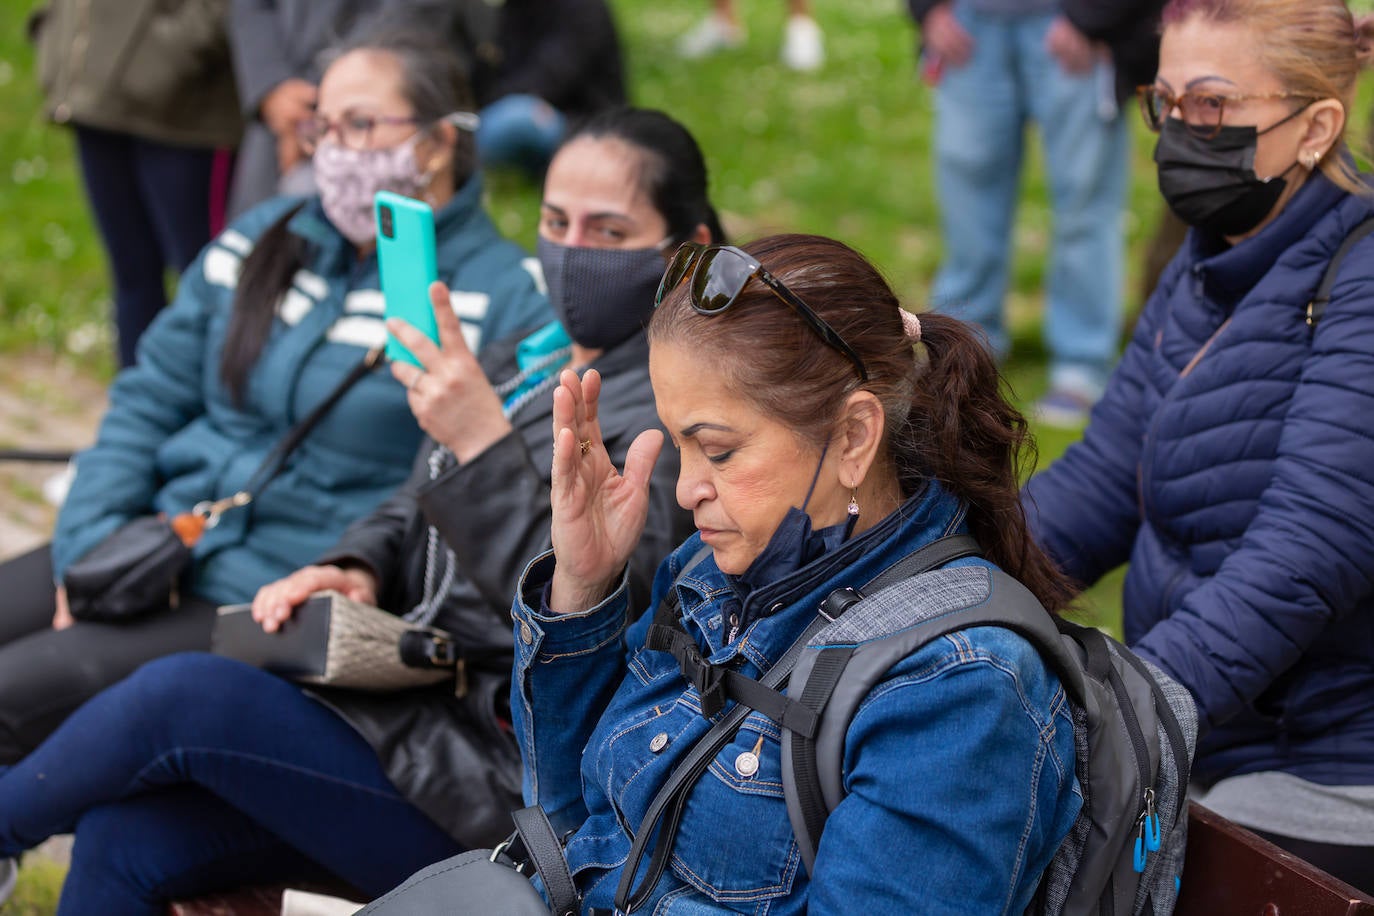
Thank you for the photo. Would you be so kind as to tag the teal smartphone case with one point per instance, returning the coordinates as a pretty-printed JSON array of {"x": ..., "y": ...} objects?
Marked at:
[{"x": 407, "y": 263}]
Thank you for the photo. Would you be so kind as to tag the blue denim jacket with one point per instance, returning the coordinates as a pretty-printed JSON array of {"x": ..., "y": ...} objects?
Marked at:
[{"x": 958, "y": 766}]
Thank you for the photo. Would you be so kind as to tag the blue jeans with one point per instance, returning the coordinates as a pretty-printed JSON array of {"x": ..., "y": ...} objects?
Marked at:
[
  {"x": 199, "y": 773},
  {"x": 982, "y": 110},
  {"x": 152, "y": 204},
  {"x": 521, "y": 131}
]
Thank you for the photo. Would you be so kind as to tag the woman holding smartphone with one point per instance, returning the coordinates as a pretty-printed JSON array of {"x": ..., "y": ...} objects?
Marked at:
[
  {"x": 227, "y": 774},
  {"x": 268, "y": 321}
]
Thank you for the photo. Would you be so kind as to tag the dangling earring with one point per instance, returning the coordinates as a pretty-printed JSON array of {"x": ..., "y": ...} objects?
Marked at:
[{"x": 853, "y": 502}]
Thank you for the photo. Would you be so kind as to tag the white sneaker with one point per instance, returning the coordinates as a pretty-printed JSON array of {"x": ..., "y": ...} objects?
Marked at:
[
  {"x": 9, "y": 877},
  {"x": 714, "y": 33},
  {"x": 802, "y": 48}
]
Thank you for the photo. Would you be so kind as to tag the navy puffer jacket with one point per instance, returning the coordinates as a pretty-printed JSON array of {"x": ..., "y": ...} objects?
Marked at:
[{"x": 1231, "y": 462}]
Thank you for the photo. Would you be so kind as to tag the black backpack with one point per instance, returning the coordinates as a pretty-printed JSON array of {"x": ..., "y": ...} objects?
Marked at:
[{"x": 1134, "y": 727}]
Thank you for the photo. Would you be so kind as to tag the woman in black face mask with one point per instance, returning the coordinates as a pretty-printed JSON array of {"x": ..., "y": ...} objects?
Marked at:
[
  {"x": 373, "y": 786},
  {"x": 1231, "y": 461}
]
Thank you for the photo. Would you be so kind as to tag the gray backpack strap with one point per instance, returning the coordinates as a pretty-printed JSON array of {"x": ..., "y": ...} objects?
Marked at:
[{"x": 845, "y": 660}]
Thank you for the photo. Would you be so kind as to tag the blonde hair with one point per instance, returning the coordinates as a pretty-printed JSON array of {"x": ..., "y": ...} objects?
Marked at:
[{"x": 1315, "y": 48}]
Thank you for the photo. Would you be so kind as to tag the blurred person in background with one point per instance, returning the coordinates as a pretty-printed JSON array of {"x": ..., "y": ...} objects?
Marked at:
[
  {"x": 147, "y": 88},
  {"x": 1067, "y": 65},
  {"x": 276, "y": 47},
  {"x": 803, "y": 45},
  {"x": 556, "y": 62}
]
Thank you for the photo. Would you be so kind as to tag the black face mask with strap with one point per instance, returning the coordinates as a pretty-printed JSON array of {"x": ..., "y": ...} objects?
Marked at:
[{"x": 1210, "y": 182}]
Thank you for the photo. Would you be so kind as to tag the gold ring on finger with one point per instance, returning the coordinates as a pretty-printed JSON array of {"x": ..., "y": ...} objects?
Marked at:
[{"x": 585, "y": 445}]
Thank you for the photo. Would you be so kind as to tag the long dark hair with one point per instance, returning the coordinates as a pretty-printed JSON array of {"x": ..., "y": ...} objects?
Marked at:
[
  {"x": 673, "y": 174},
  {"x": 435, "y": 84},
  {"x": 948, "y": 418}
]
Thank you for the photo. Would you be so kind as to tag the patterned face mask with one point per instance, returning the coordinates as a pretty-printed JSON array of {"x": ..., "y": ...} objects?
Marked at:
[{"x": 348, "y": 180}]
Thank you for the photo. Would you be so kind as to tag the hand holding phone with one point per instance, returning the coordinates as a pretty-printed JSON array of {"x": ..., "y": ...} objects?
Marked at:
[
  {"x": 447, "y": 390},
  {"x": 408, "y": 264}
]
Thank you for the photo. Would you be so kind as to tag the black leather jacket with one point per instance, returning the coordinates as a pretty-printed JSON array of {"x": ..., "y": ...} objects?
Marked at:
[{"x": 455, "y": 758}]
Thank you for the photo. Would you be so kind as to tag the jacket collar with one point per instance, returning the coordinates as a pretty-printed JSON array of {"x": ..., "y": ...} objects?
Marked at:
[
  {"x": 789, "y": 604},
  {"x": 1228, "y": 274},
  {"x": 499, "y": 360},
  {"x": 336, "y": 253}
]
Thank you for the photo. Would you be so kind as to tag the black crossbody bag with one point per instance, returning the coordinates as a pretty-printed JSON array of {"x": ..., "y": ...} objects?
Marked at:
[{"x": 139, "y": 567}]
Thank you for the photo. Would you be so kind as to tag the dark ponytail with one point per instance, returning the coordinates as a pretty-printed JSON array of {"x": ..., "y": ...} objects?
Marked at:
[
  {"x": 673, "y": 175},
  {"x": 948, "y": 417},
  {"x": 962, "y": 430},
  {"x": 264, "y": 278}
]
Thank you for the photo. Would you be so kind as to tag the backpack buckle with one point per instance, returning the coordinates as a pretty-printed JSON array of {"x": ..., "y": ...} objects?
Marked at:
[{"x": 837, "y": 602}]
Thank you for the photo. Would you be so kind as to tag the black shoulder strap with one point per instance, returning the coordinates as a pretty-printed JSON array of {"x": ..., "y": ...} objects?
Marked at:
[
  {"x": 542, "y": 847},
  {"x": 1317, "y": 307},
  {"x": 672, "y": 796},
  {"x": 276, "y": 459}
]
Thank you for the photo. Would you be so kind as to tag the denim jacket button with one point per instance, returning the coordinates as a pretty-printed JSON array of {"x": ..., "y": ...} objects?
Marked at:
[
  {"x": 526, "y": 634},
  {"x": 658, "y": 742},
  {"x": 747, "y": 764}
]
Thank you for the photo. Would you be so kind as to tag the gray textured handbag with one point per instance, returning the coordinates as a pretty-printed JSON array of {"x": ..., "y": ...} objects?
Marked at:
[{"x": 334, "y": 641}]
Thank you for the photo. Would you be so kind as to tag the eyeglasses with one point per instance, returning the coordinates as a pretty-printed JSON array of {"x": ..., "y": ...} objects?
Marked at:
[
  {"x": 354, "y": 129},
  {"x": 1202, "y": 112},
  {"x": 719, "y": 274}
]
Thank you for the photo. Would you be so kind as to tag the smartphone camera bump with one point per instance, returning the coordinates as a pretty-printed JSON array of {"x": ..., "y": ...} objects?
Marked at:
[{"x": 385, "y": 218}]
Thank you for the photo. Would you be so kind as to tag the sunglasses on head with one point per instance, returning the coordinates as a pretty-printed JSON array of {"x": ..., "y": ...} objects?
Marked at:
[{"x": 718, "y": 275}]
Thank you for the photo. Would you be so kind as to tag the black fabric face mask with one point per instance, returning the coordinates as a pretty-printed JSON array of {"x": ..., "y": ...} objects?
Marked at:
[
  {"x": 602, "y": 296},
  {"x": 1210, "y": 182}
]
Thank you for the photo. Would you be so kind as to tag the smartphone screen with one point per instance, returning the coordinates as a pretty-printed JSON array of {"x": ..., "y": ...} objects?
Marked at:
[{"x": 408, "y": 264}]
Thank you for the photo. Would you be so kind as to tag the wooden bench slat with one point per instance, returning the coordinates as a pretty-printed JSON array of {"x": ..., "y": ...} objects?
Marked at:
[{"x": 1229, "y": 871}]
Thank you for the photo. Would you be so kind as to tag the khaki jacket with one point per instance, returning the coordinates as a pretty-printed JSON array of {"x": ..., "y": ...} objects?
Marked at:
[{"x": 156, "y": 69}]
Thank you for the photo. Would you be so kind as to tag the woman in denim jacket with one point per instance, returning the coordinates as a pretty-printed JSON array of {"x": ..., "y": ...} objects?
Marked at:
[{"x": 807, "y": 467}]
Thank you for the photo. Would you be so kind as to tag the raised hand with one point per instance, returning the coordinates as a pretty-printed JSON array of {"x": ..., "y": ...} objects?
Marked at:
[
  {"x": 275, "y": 602},
  {"x": 598, "y": 513},
  {"x": 450, "y": 397}
]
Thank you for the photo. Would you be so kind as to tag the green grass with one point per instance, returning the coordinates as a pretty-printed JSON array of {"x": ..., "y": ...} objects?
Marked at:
[
  {"x": 53, "y": 289},
  {"x": 40, "y": 882}
]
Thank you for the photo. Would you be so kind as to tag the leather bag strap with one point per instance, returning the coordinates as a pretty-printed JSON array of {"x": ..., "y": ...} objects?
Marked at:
[
  {"x": 544, "y": 850},
  {"x": 276, "y": 459}
]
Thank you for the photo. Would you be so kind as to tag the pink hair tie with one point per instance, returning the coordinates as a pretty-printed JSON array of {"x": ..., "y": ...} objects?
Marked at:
[{"x": 911, "y": 326}]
